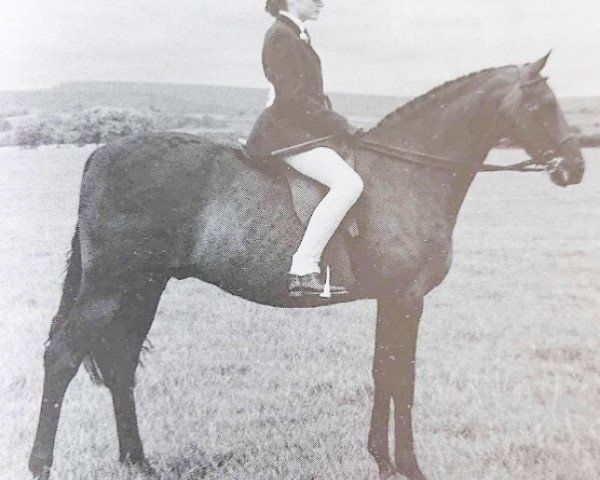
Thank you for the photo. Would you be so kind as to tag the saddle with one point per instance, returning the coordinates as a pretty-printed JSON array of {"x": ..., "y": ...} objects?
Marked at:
[{"x": 306, "y": 194}]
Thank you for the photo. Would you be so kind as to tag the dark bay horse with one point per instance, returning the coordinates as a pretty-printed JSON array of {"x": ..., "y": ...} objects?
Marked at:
[{"x": 175, "y": 205}]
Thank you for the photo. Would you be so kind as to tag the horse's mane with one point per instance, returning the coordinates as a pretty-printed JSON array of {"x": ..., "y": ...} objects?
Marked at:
[{"x": 419, "y": 101}]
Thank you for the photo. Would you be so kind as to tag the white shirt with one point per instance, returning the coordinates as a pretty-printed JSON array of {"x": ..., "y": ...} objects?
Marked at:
[{"x": 300, "y": 24}]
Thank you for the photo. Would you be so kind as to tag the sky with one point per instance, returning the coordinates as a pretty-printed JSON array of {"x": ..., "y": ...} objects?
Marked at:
[{"x": 391, "y": 47}]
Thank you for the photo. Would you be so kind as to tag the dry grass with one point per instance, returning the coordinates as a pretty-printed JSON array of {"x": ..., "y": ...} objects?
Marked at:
[{"x": 508, "y": 363}]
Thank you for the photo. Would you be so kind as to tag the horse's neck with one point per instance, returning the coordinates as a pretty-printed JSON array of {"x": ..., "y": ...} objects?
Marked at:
[{"x": 459, "y": 123}]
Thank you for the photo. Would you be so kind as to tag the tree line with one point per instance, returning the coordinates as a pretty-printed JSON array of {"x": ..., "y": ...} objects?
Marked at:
[{"x": 98, "y": 125}]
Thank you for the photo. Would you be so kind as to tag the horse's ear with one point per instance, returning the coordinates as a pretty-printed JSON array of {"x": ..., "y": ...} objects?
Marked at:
[{"x": 534, "y": 69}]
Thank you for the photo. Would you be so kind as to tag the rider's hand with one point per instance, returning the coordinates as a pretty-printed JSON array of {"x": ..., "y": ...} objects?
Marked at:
[
  {"x": 348, "y": 141},
  {"x": 353, "y": 132},
  {"x": 352, "y": 135}
]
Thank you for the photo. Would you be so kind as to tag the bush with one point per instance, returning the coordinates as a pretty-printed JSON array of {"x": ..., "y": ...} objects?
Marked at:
[
  {"x": 589, "y": 140},
  {"x": 41, "y": 132},
  {"x": 208, "y": 121},
  {"x": 6, "y": 139},
  {"x": 170, "y": 122},
  {"x": 14, "y": 113},
  {"x": 97, "y": 125},
  {"x": 100, "y": 125},
  {"x": 586, "y": 110},
  {"x": 189, "y": 122},
  {"x": 5, "y": 125},
  {"x": 103, "y": 124}
]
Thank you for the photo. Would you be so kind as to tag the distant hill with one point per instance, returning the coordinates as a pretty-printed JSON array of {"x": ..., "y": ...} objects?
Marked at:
[
  {"x": 166, "y": 98},
  {"x": 175, "y": 99},
  {"x": 185, "y": 99},
  {"x": 238, "y": 107}
]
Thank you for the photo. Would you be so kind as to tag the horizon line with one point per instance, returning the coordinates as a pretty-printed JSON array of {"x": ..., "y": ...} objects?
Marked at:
[{"x": 241, "y": 87}]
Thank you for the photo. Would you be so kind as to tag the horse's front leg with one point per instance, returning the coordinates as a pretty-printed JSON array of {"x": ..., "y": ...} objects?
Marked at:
[{"x": 394, "y": 378}]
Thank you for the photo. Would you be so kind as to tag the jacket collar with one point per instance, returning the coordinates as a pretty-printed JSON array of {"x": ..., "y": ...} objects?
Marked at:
[
  {"x": 295, "y": 24},
  {"x": 290, "y": 16}
]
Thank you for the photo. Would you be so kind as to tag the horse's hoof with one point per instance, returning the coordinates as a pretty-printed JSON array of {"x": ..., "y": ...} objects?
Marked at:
[
  {"x": 393, "y": 475},
  {"x": 413, "y": 474},
  {"x": 44, "y": 474},
  {"x": 386, "y": 471},
  {"x": 147, "y": 469},
  {"x": 140, "y": 466}
]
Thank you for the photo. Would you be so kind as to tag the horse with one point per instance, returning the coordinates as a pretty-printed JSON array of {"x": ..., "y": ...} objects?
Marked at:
[{"x": 165, "y": 205}]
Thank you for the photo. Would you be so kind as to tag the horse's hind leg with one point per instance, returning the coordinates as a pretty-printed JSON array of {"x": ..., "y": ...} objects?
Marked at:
[
  {"x": 60, "y": 366},
  {"x": 117, "y": 355},
  {"x": 91, "y": 311}
]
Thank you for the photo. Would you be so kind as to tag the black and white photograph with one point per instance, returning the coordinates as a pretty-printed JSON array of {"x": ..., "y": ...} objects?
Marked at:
[{"x": 299, "y": 240}]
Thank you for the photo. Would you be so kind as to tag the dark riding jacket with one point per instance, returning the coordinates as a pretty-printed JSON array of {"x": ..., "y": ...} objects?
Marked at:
[{"x": 301, "y": 111}]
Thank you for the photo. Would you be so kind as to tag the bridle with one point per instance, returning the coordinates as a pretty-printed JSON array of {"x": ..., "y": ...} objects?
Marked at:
[{"x": 544, "y": 161}]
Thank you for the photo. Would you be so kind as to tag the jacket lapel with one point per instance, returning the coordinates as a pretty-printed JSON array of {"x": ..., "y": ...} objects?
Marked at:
[
  {"x": 292, "y": 26},
  {"x": 312, "y": 51}
]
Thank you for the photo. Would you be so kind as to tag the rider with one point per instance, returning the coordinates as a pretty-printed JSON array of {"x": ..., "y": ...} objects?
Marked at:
[{"x": 299, "y": 111}]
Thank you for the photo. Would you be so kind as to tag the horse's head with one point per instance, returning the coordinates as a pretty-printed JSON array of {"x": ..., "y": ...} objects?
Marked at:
[{"x": 533, "y": 119}]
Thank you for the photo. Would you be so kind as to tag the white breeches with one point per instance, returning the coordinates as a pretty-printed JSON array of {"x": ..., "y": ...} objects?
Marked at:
[{"x": 345, "y": 186}]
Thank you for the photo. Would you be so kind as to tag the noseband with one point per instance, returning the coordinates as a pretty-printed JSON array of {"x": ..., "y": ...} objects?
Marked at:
[{"x": 540, "y": 163}]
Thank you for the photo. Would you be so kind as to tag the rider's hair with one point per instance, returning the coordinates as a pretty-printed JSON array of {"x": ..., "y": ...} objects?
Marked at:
[{"x": 275, "y": 6}]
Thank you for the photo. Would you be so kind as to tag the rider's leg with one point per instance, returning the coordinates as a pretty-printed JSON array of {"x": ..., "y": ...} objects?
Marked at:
[{"x": 345, "y": 186}]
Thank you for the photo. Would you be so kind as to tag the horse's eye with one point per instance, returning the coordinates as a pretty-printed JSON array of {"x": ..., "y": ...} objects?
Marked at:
[{"x": 539, "y": 107}]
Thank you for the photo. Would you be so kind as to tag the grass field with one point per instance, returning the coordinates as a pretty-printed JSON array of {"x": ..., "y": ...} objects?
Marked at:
[{"x": 508, "y": 361}]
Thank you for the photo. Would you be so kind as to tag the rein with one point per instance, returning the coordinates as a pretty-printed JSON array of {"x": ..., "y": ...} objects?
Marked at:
[
  {"x": 535, "y": 164},
  {"x": 530, "y": 165}
]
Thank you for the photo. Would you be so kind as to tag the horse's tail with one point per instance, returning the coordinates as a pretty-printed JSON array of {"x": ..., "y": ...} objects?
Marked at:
[{"x": 71, "y": 286}]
